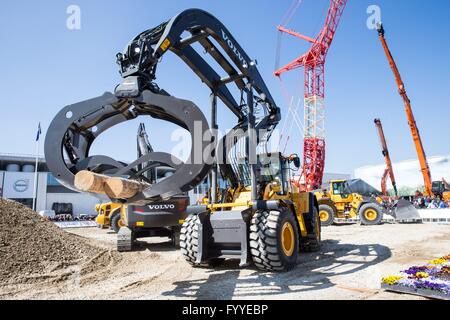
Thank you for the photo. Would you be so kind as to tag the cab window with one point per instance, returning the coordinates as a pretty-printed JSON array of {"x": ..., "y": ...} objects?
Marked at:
[{"x": 338, "y": 188}]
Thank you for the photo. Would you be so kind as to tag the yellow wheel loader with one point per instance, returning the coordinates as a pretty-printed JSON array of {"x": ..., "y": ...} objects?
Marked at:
[
  {"x": 352, "y": 200},
  {"x": 269, "y": 232},
  {"x": 261, "y": 218},
  {"x": 109, "y": 216}
]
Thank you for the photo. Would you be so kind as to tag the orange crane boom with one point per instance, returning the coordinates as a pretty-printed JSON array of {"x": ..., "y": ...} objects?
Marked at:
[
  {"x": 389, "y": 170},
  {"x": 424, "y": 167}
]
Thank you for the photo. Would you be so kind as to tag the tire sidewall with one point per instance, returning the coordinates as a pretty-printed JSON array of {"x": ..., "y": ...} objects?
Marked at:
[
  {"x": 373, "y": 206},
  {"x": 115, "y": 222},
  {"x": 316, "y": 218},
  {"x": 329, "y": 210},
  {"x": 287, "y": 216}
]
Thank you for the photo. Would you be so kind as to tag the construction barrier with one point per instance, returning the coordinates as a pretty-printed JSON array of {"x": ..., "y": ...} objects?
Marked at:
[{"x": 76, "y": 224}]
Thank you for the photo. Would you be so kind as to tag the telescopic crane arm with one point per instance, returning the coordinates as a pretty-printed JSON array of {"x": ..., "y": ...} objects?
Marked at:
[
  {"x": 389, "y": 170},
  {"x": 424, "y": 167}
]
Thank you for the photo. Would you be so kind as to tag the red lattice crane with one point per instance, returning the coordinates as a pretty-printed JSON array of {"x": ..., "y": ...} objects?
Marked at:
[{"x": 313, "y": 62}]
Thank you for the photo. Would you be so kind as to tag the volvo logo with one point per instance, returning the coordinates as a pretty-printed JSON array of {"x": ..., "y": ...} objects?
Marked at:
[
  {"x": 161, "y": 206},
  {"x": 232, "y": 46},
  {"x": 21, "y": 185}
]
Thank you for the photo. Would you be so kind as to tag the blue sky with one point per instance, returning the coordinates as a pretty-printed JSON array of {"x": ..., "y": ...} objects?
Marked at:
[{"x": 45, "y": 66}]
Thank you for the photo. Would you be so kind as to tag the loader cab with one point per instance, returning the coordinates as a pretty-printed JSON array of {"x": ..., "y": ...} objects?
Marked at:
[
  {"x": 338, "y": 190},
  {"x": 438, "y": 187},
  {"x": 276, "y": 170}
]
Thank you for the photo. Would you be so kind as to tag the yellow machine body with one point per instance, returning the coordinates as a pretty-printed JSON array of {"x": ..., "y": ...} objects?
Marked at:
[
  {"x": 241, "y": 200},
  {"x": 105, "y": 212},
  {"x": 337, "y": 203}
]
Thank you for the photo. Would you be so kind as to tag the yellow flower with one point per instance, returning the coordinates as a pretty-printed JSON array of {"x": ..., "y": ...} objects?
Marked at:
[
  {"x": 437, "y": 261},
  {"x": 391, "y": 280},
  {"x": 421, "y": 275}
]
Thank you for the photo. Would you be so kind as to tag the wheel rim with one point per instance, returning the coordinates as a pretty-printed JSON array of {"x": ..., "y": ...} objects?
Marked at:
[
  {"x": 324, "y": 216},
  {"x": 370, "y": 214},
  {"x": 288, "y": 239},
  {"x": 120, "y": 223}
]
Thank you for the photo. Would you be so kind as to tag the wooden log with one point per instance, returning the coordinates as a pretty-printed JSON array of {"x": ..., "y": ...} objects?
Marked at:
[
  {"x": 120, "y": 188},
  {"x": 87, "y": 181}
]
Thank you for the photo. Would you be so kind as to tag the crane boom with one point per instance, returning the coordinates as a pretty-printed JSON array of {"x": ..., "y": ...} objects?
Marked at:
[
  {"x": 389, "y": 169},
  {"x": 424, "y": 167}
]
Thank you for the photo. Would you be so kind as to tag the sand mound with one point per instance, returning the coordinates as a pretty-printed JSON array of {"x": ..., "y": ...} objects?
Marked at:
[{"x": 31, "y": 247}]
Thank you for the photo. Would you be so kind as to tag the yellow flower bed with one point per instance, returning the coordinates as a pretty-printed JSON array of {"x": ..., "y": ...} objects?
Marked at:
[
  {"x": 391, "y": 280},
  {"x": 422, "y": 275},
  {"x": 437, "y": 261}
]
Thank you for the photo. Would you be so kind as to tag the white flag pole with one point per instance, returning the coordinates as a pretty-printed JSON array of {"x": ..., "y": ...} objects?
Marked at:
[{"x": 36, "y": 173}]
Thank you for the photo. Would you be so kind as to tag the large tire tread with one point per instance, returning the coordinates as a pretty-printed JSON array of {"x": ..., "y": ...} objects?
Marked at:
[
  {"x": 265, "y": 244},
  {"x": 115, "y": 222},
  {"x": 189, "y": 239}
]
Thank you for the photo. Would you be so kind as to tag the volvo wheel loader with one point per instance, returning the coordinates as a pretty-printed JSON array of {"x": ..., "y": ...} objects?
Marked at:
[
  {"x": 261, "y": 218},
  {"x": 109, "y": 216},
  {"x": 352, "y": 200},
  {"x": 266, "y": 223},
  {"x": 342, "y": 203}
]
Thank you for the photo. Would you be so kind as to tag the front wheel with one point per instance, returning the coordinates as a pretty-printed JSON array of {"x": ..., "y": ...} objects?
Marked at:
[
  {"x": 274, "y": 240},
  {"x": 326, "y": 214},
  {"x": 370, "y": 214},
  {"x": 116, "y": 223}
]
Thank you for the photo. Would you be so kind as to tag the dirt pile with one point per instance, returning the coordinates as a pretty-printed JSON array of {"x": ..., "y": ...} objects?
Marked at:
[{"x": 32, "y": 248}]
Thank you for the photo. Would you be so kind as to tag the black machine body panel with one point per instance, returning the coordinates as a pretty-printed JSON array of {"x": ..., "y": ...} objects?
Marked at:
[{"x": 158, "y": 214}]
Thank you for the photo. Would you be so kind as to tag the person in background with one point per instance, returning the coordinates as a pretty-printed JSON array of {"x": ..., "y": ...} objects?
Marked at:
[
  {"x": 427, "y": 202},
  {"x": 443, "y": 205},
  {"x": 433, "y": 204}
]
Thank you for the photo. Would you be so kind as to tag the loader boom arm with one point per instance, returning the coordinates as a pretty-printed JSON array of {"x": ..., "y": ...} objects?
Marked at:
[{"x": 74, "y": 129}]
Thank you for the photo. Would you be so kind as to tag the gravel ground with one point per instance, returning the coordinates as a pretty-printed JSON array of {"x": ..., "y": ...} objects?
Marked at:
[
  {"x": 33, "y": 250},
  {"x": 353, "y": 261}
]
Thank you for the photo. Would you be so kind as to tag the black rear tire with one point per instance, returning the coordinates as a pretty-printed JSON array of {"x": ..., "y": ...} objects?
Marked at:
[
  {"x": 329, "y": 212},
  {"x": 175, "y": 237},
  {"x": 189, "y": 239},
  {"x": 266, "y": 240},
  {"x": 115, "y": 222},
  {"x": 313, "y": 241},
  {"x": 370, "y": 214}
]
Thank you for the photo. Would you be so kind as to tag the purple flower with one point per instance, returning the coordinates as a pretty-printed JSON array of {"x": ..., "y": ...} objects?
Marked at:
[
  {"x": 432, "y": 286},
  {"x": 407, "y": 282},
  {"x": 413, "y": 270}
]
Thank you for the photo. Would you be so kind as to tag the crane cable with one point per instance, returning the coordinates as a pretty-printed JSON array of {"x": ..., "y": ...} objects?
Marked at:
[
  {"x": 290, "y": 13},
  {"x": 293, "y": 111}
]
